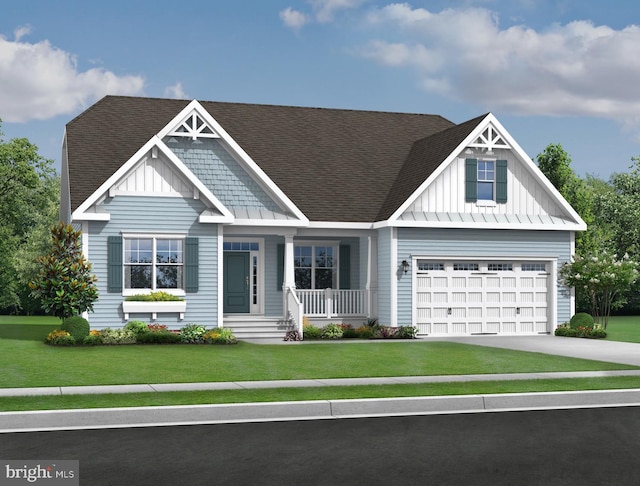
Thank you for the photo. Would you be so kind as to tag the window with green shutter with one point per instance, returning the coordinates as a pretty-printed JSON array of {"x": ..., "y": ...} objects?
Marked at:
[{"x": 486, "y": 180}]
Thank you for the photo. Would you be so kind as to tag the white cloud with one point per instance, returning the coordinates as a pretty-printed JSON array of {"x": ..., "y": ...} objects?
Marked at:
[
  {"x": 40, "y": 81},
  {"x": 293, "y": 18},
  {"x": 21, "y": 31},
  {"x": 324, "y": 11},
  {"x": 573, "y": 69},
  {"x": 176, "y": 91}
]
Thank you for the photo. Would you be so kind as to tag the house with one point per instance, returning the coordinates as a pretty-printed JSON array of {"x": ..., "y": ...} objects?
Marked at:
[{"x": 258, "y": 215}]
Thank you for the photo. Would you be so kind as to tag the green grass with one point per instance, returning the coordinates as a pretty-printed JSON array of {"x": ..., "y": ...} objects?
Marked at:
[
  {"x": 26, "y": 361},
  {"x": 624, "y": 328},
  {"x": 152, "y": 399}
]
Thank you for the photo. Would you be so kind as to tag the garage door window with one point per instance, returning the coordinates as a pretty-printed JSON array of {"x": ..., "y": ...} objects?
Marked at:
[
  {"x": 500, "y": 267},
  {"x": 534, "y": 267},
  {"x": 430, "y": 266},
  {"x": 465, "y": 267}
]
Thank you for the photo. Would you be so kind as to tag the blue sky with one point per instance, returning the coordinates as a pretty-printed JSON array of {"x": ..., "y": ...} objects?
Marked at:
[{"x": 563, "y": 71}]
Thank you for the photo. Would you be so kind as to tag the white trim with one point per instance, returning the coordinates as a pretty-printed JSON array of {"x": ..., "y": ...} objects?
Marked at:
[
  {"x": 339, "y": 225},
  {"x": 220, "y": 292},
  {"x": 572, "y": 252},
  {"x": 235, "y": 148},
  {"x": 393, "y": 303},
  {"x": 85, "y": 239},
  {"x": 490, "y": 119},
  {"x": 471, "y": 225},
  {"x": 180, "y": 292},
  {"x": 83, "y": 211},
  {"x": 259, "y": 307}
]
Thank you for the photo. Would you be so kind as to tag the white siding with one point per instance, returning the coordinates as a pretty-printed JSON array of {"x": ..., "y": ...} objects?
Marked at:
[{"x": 525, "y": 194}]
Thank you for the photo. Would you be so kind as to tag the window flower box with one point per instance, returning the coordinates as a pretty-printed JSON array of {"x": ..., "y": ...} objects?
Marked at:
[{"x": 154, "y": 308}]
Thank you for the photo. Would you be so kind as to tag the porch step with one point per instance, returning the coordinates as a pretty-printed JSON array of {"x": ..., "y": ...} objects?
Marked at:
[{"x": 257, "y": 327}]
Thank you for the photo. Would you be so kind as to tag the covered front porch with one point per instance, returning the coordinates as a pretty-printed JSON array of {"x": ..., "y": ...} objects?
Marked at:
[{"x": 323, "y": 278}]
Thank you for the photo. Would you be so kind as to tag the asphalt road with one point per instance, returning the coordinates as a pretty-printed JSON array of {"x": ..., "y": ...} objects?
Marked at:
[{"x": 557, "y": 447}]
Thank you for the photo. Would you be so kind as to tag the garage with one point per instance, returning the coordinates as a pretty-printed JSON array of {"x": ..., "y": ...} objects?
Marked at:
[{"x": 481, "y": 297}]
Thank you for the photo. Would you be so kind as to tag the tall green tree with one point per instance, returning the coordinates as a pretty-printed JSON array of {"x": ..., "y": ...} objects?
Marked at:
[
  {"x": 64, "y": 284},
  {"x": 29, "y": 195},
  {"x": 555, "y": 164}
]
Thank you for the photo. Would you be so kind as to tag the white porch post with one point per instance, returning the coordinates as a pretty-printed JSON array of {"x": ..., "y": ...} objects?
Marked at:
[{"x": 289, "y": 274}]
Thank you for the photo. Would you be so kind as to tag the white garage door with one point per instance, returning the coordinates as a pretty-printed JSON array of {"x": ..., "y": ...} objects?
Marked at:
[{"x": 481, "y": 297}]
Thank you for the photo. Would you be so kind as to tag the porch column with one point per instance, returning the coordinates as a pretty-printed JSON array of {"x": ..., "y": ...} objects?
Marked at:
[{"x": 289, "y": 274}]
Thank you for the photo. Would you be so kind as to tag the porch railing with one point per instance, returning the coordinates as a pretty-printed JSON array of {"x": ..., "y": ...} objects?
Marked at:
[
  {"x": 333, "y": 303},
  {"x": 294, "y": 308}
]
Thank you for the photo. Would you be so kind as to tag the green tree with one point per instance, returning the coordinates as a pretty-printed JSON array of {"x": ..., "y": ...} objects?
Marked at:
[
  {"x": 64, "y": 283},
  {"x": 604, "y": 278},
  {"x": 555, "y": 164},
  {"x": 29, "y": 195}
]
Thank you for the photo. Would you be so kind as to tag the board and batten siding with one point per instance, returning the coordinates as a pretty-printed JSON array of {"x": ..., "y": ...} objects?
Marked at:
[
  {"x": 525, "y": 194},
  {"x": 482, "y": 244},
  {"x": 155, "y": 215}
]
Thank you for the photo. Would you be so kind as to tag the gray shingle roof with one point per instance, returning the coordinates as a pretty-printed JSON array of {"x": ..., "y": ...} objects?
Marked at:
[{"x": 335, "y": 165}]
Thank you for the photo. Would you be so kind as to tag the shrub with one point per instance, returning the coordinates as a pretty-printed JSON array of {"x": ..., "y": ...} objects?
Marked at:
[
  {"x": 311, "y": 332},
  {"x": 77, "y": 326},
  {"x": 158, "y": 296},
  {"x": 407, "y": 332},
  {"x": 156, "y": 327},
  {"x": 364, "y": 332},
  {"x": 384, "y": 332},
  {"x": 597, "y": 333},
  {"x": 219, "y": 336},
  {"x": 60, "y": 338},
  {"x": 332, "y": 331},
  {"x": 136, "y": 326},
  {"x": 117, "y": 336},
  {"x": 581, "y": 319},
  {"x": 158, "y": 337},
  {"x": 92, "y": 339},
  {"x": 348, "y": 332},
  {"x": 293, "y": 336},
  {"x": 372, "y": 322},
  {"x": 192, "y": 333}
]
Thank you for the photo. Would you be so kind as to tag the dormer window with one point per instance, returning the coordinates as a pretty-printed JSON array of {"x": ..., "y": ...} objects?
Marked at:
[{"x": 486, "y": 179}]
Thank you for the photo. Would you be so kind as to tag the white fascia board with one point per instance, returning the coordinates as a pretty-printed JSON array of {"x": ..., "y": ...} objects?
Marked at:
[
  {"x": 295, "y": 223},
  {"x": 339, "y": 225},
  {"x": 239, "y": 151},
  {"x": 524, "y": 158},
  {"x": 472, "y": 225},
  {"x": 581, "y": 225},
  {"x": 434, "y": 175},
  {"x": 83, "y": 211}
]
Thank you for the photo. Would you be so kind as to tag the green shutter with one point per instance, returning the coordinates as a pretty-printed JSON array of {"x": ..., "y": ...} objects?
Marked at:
[
  {"x": 280, "y": 269},
  {"x": 501, "y": 181},
  {"x": 471, "y": 180},
  {"x": 114, "y": 264},
  {"x": 345, "y": 267},
  {"x": 191, "y": 264}
]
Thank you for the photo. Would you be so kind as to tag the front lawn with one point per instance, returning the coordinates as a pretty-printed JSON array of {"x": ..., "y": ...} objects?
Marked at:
[
  {"x": 624, "y": 328},
  {"x": 27, "y": 362}
]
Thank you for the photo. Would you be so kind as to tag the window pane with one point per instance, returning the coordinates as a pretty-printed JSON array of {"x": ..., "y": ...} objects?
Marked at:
[
  {"x": 303, "y": 278},
  {"x": 138, "y": 250},
  {"x": 137, "y": 276},
  {"x": 324, "y": 279},
  {"x": 485, "y": 190},
  {"x": 302, "y": 256},
  {"x": 169, "y": 251},
  {"x": 168, "y": 277}
]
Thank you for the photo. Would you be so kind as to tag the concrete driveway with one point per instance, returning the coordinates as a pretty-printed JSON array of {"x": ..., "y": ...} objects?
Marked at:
[{"x": 595, "y": 349}]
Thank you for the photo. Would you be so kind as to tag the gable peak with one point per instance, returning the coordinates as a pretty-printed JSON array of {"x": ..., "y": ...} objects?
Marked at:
[
  {"x": 193, "y": 126},
  {"x": 489, "y": 138}
]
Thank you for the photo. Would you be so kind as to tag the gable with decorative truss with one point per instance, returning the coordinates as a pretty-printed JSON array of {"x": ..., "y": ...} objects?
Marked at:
[
  {"x": 519, "y": 195},
  {"x": 489, "y": 140},
  {"x": 193, "y": 126}
]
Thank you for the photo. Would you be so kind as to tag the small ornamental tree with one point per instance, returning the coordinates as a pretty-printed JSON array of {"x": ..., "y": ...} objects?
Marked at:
[
  {"x": 64, "y": 283},
  {"x": 604, "y": 279}
]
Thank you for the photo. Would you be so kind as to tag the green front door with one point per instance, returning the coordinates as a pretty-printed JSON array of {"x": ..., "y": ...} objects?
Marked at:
[{"x": 236, "y": 282}]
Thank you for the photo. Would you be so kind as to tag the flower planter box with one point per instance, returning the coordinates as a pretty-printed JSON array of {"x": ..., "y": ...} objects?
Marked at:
[{"x": 154, "y": 308}]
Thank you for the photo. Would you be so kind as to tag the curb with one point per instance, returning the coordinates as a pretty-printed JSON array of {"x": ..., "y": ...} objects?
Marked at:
[{"x": 309, "y": 410}]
